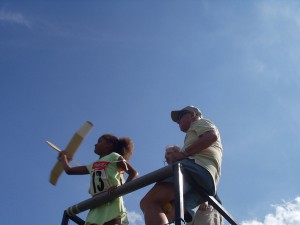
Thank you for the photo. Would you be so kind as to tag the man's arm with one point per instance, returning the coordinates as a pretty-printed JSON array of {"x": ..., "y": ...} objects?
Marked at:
[{"x": 203, "y": 142}]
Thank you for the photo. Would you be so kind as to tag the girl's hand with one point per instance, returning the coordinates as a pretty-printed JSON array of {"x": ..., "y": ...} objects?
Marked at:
[
  {"x": 60, "y": 156},
  {"x": 63, "y": 157}
]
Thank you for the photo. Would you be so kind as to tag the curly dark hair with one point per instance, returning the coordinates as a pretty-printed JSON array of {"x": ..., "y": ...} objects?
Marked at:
[{"x": 123, "y": 146}]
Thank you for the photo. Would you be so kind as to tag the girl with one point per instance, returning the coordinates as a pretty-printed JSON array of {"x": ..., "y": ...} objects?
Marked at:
[{"x": 106, "y": 175}]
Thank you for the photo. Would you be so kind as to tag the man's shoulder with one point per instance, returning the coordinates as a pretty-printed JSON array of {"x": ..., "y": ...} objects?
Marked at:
[
  {"x": 202, "y": 122},
  {"x": 201, "y": 126}
]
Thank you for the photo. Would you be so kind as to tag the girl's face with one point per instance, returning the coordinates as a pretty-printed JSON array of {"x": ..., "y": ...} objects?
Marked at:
[{"x": 102, "y": 147}]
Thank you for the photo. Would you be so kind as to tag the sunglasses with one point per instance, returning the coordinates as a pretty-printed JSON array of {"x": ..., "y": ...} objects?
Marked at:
[{"x": 182, "y": 114}]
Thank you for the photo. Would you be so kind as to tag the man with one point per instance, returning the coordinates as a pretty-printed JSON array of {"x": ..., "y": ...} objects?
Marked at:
[
  {"x": 206, "y": 214},
  {"x": 201, "y": 158}
]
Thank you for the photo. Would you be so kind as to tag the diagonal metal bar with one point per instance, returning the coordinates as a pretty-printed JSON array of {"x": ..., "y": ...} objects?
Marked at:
[
  {"x": 211, "y": 199},
  {"x": 74, "y": 218},
  {"x": 65, "y": 219}
]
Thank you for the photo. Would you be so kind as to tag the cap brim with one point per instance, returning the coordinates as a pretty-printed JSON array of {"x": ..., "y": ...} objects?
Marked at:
[{"x": 175, "y": 114}]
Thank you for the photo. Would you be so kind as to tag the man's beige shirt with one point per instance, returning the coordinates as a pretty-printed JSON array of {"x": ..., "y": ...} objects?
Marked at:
[{"x": 211, "y": 157}]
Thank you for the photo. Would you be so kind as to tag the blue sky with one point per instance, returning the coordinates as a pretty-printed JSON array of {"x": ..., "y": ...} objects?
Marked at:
[{"x": 124, "y": 65}]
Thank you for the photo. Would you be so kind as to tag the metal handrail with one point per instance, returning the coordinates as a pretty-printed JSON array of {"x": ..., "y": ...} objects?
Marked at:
[{"x": 155, "y": 176}]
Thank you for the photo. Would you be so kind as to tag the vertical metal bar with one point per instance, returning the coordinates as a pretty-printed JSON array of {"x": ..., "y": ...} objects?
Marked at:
[
  {"x": 65, "y": 219},
  {"x": 77, "y": 220},
  {"x": 74, "y": 218},
  {"x": 178, "y": 184}
]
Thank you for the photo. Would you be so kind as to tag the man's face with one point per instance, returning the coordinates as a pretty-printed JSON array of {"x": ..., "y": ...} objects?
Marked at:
[{"x": 184, "y": 120}]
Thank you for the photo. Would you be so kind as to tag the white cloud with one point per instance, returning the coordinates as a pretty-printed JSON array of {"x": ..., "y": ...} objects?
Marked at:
[
  {"x": 271, "y": 50},
  {"x": 13, "y": 17},
  {"x": 135, "y": 218},
  {"x": 281, "y": 10},
  {"x": 286, "y": 214}
]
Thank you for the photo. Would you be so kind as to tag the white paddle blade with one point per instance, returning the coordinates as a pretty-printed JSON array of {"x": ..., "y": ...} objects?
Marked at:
[{"x": 70, "y": 150}]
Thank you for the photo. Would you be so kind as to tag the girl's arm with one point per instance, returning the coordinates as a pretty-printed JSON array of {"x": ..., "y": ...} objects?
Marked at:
[
  {"x": 132, "y": 173},
  {"x": 62, "y": 157}
]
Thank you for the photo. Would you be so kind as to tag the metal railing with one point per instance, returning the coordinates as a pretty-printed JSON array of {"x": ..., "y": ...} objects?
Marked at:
[{"x": 155, "y": 176}]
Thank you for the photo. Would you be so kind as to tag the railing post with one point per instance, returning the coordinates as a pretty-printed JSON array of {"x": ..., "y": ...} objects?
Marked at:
[
  {"x": 74, "y": 218},
  {"x": 178, "y": 184},
  {"x": 65, "y": 219},
  {"x": 77, "y": 220}
]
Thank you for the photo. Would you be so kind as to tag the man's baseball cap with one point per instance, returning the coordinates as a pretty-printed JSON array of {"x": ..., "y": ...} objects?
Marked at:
[{"x": 176, "y": 113}]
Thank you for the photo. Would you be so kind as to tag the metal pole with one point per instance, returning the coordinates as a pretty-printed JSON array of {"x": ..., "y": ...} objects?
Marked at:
[
  {"x": 178, "y": 184},
  {"x": 211, "y": 199},
  {"x": 65, "y": 219},
  {"x": 131, "y": 186},
  {"x": 147, "y": 180},
  {"x": 77, "y": 220},
  {"x": 74, "y": 218}
]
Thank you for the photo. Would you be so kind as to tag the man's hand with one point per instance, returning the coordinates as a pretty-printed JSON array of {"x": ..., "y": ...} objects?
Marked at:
[{"x": 175, "y": 156}]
